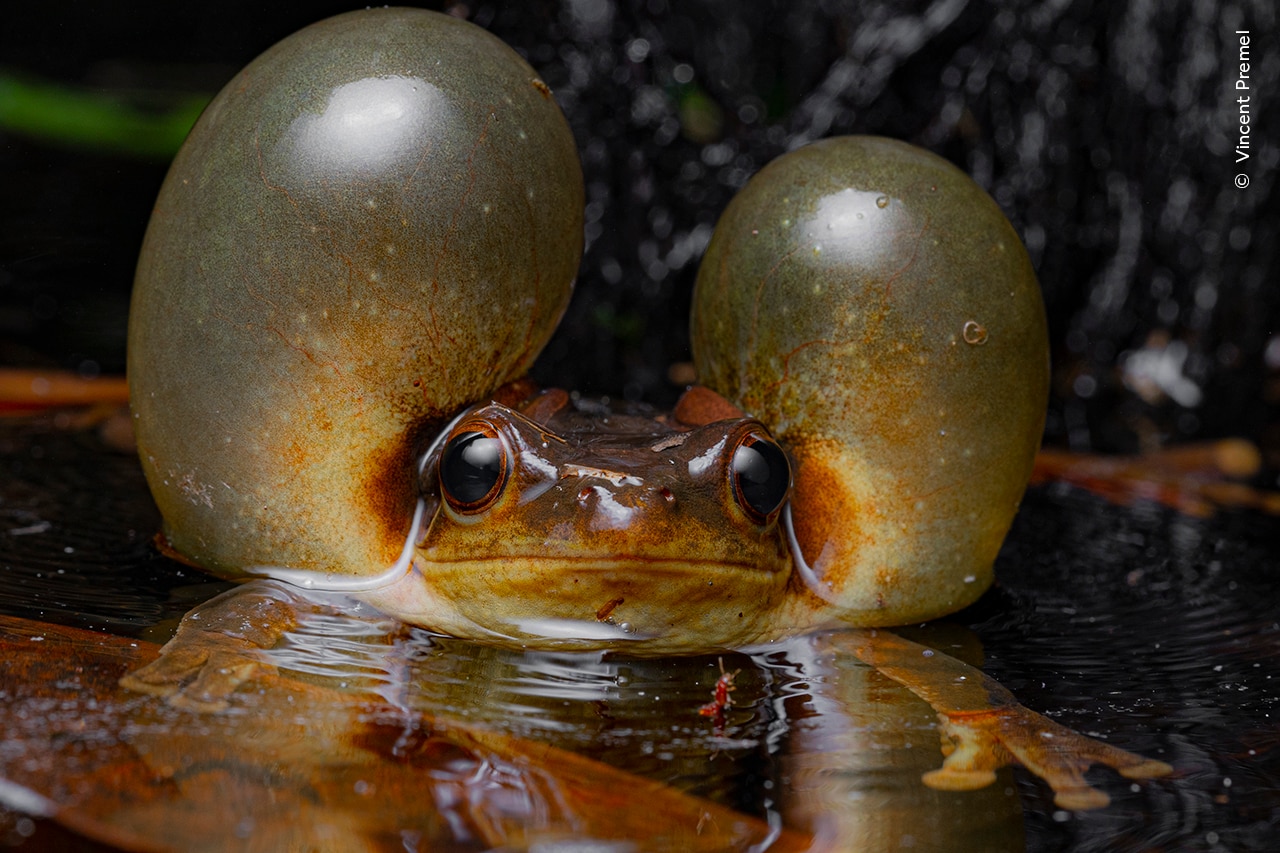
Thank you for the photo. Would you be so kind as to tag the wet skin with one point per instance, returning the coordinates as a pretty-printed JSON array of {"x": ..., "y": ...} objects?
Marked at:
[
  {"x": 562, "y": 523},
  {"x": 592, "y": 528},
  {"x": 312, "y": 306}
]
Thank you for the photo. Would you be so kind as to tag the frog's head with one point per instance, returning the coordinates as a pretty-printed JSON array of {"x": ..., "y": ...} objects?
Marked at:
[{"x": 562, "y": 518}]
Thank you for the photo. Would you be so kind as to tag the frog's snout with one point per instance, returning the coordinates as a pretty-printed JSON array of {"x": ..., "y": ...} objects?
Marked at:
[
  {"x": 614, "y": 478},
  {"x": 612, "y": 500}
]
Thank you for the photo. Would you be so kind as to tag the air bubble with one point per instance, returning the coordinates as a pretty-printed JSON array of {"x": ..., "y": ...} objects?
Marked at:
[
  {"x": 882, "y": 201},
  {"x": 975, "y": 333}
]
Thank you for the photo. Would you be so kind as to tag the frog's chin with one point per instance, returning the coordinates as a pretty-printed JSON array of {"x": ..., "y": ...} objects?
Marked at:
[
  {"x": 563, "y": 634},
  {"x": 653, "y": 607}
]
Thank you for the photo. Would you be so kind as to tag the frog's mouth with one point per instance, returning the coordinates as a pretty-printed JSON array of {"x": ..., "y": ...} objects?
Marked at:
[
  {"x": 640, "y": 604},
  {"x": 577, "y": 630}
]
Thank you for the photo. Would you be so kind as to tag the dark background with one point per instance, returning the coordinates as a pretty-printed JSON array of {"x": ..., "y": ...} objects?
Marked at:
[{"x": 1104, "y": 130}]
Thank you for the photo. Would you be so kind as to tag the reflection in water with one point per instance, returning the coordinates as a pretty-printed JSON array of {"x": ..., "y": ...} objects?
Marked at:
[
  {"x": 858, "y": 746},
  {"x": 813, "y": 739},
  {"x": 1151, "y": 628},
  {"x": 294, "y": 766}
]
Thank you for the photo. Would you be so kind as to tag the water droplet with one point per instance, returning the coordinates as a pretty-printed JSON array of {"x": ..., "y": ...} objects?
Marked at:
[
  {"x": 882, "y": 201},
  {"x": 975, "y": 333}
]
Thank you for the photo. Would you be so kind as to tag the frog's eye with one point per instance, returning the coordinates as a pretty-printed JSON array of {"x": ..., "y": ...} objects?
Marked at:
[
  {"x": 473, "y": 469},
  {"x": 761, "y": 476}
]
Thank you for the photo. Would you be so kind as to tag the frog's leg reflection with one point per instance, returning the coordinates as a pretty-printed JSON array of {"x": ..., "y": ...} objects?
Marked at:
[
  {"x": 220, "y": 645},
  {"x": 857, "y": 745},
  {"x": 986, "y": 728}
]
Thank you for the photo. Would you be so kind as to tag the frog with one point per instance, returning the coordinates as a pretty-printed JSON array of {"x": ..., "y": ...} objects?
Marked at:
[
  {"x": 560, "y": 522},
  {"x": 328, "y": 347}
]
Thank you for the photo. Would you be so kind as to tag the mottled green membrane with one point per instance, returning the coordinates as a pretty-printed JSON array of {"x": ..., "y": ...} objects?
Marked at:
[
  {"x": 871, "y": 304},
  {"x": 375, "y": 223}
]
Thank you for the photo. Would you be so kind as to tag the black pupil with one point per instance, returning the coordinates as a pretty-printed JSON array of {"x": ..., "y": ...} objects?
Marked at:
[
  {"x": 763, "y": 476},
  {"x": 471, "y": 466}
]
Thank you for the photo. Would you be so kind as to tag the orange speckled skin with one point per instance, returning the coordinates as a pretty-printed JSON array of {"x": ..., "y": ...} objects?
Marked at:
[
  {"x": 294, "y": 334},
  {"x": 871, "y": 304}
]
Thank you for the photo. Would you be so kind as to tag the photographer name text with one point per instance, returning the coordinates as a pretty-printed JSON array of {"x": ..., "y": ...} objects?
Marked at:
[{"x": 1244, "y": 96}]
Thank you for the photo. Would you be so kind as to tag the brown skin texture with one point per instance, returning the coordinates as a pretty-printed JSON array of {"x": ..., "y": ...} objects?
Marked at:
[
  {"x": 607, "y": 529},
  {"x": 871, "y": 304},
  {"x": 376, "y": 223}
]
